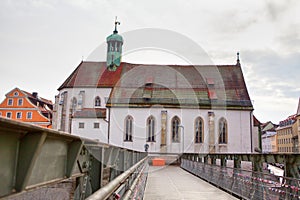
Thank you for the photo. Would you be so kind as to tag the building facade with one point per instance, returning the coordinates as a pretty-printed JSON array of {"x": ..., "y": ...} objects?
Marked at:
[
  {"x": 161, "y": 108},
  {"x": 269, "y": 138},
  {"x": 269, "y": 142},
  {"x": 286, "y": 139},
  {"x": 27, "y": 107}
]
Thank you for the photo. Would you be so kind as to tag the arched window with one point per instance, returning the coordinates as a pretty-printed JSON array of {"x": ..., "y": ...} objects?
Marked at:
[
  {"x": 128, "y": 128},
  {"x": 73, "y": 105},
  {"x": 199, "y": 130},
  {"x": 97, "y": 101},
  {"x": 150, "y": 129},
  {"x": 223, "y": 131},
  {"x": 175, "y": 129}
]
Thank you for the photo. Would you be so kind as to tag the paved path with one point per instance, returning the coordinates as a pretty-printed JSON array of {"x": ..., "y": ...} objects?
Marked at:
[{"x": 172, "y": 182}]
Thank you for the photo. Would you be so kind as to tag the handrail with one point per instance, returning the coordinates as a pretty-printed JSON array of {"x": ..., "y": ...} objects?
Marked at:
[
  {"x": 106, "y": 191},
  {"x": 133, "y": 185}
]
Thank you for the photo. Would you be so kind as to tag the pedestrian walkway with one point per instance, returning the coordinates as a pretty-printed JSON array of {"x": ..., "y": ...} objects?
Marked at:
[{"x": 172, "y": 182}]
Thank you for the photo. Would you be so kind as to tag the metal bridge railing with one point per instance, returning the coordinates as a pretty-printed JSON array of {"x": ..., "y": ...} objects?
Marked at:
[
  {"x": 35, "y": 159},
  {"x": 121, "y": 184},
  {"x": 243, "y": 183}
]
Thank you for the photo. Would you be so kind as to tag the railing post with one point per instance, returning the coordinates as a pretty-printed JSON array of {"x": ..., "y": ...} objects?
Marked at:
[
  {"x": 223, "y": 161},
  {"x": 236, "y": 185},
  {"x": 257, "y": 164}
]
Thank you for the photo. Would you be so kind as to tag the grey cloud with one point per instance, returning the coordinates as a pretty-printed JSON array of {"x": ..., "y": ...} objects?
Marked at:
[
  {"x": 274, "y": 73},
  {"x": 276, "y": 8},
  {"x": 290, "y": 39}
]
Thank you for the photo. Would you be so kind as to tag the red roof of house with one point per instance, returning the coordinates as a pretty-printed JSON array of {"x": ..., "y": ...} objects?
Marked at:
[
  {"x": 256, "y": 122},
  {"x": 199, "y": 84}
]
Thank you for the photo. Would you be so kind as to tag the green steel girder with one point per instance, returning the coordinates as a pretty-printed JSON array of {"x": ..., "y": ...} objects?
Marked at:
[{"x": 33, "y": 156}]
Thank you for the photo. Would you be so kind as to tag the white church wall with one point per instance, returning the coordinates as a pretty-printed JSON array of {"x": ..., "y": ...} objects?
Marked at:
[
  {"x": 88, "y": 102},
  {"x": 239, "y": 137},
  {"x": 89, "y": 96},
  {"x": 89, "y": 130}
]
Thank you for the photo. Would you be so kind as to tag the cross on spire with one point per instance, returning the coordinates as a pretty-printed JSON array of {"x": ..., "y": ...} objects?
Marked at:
[
  {"x": 238, "y": 57},
  {"x": 116, "y": 23}
]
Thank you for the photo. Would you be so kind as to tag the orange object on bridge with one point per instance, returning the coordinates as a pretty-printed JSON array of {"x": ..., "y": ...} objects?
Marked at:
[{"x": 158, "y": 162}]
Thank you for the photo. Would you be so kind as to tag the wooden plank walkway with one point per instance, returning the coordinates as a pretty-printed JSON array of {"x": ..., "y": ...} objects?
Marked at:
[{"x": 172, "y": 183}]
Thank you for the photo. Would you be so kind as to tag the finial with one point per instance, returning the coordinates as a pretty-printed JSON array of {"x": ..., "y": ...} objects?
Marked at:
[
  {"x": 238, "y": 58},
  {"x": 116, "y": 23}
]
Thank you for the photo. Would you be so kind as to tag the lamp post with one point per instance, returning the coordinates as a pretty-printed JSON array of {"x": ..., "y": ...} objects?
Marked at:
[{"x": 181, "y": 126}]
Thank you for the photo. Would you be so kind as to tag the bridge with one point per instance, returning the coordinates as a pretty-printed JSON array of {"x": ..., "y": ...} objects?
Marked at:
[{"x": 39, "y": 163}]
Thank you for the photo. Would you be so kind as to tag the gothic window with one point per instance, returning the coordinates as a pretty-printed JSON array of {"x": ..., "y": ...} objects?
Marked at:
[
  {"x": 128, "y": 128},
  {"x": 62, "y": 97},
  {"x": 97, "y": 101},
  {"x": 223, "y": 131},
  {"x": 80, "y": 98},
  {"x": 199, "y": 130},
  {"x": 175, "y": 129},
  {"x": 150, "y": 129},
  {"x": 73, "y": 105}
]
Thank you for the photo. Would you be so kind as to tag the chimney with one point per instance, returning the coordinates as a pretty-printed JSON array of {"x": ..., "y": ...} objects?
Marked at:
[{"x": 35, "y": 94}]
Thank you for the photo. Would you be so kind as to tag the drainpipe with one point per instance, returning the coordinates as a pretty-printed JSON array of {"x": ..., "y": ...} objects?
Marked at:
[
  {"x": 251, "y": 134},
  {"x": 108, "y": 131}
]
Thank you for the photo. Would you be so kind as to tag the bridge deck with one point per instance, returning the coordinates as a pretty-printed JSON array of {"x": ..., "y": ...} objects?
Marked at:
[{"x": 172, "y": 182}]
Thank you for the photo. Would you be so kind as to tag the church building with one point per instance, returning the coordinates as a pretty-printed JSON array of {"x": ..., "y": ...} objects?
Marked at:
[{"x": 158, "y": 108}]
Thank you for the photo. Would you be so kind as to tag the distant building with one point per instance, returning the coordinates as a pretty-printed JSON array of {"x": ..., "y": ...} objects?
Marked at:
[
  {"x": 286, "y": 138},
  {"x": 27, "y": 107},
  {"x": 296, "y": 130},
  {"x": 168, "y": 108},
  {"x": 269, "y": 138},
  {"x": 269, "y": 142},
  {"x": 288, "y": 133}
]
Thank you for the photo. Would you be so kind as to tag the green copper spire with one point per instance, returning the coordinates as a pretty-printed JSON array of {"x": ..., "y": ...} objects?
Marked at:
[{"x": 114, "y": 49}]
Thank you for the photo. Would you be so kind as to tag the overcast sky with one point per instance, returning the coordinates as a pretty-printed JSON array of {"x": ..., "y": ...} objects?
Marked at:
[{"x": 43, "y": 41}]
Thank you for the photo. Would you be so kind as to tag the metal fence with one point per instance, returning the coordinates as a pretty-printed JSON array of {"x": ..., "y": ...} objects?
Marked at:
[{"x": 245, "y": 184}]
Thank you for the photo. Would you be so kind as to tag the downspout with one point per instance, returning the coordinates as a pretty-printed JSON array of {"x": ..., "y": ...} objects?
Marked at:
[
  {"x": 108, "y": 131},
  {"x": 251, "y": 134}
]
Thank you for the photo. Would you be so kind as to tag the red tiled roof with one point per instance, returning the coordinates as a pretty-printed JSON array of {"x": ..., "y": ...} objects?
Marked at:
[
  {"x": 92, "y": 74},
  {"x": 256, "y": 122},
  {"x": 183, "y": 81},
  {"x": 49, "y": 102}
]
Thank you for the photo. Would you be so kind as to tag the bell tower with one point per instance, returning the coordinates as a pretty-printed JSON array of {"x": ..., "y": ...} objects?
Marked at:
[{"x": 114, "y": 49}]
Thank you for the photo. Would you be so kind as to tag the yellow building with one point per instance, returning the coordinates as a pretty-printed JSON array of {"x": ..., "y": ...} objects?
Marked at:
[{"x": 287, "y": 137}]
